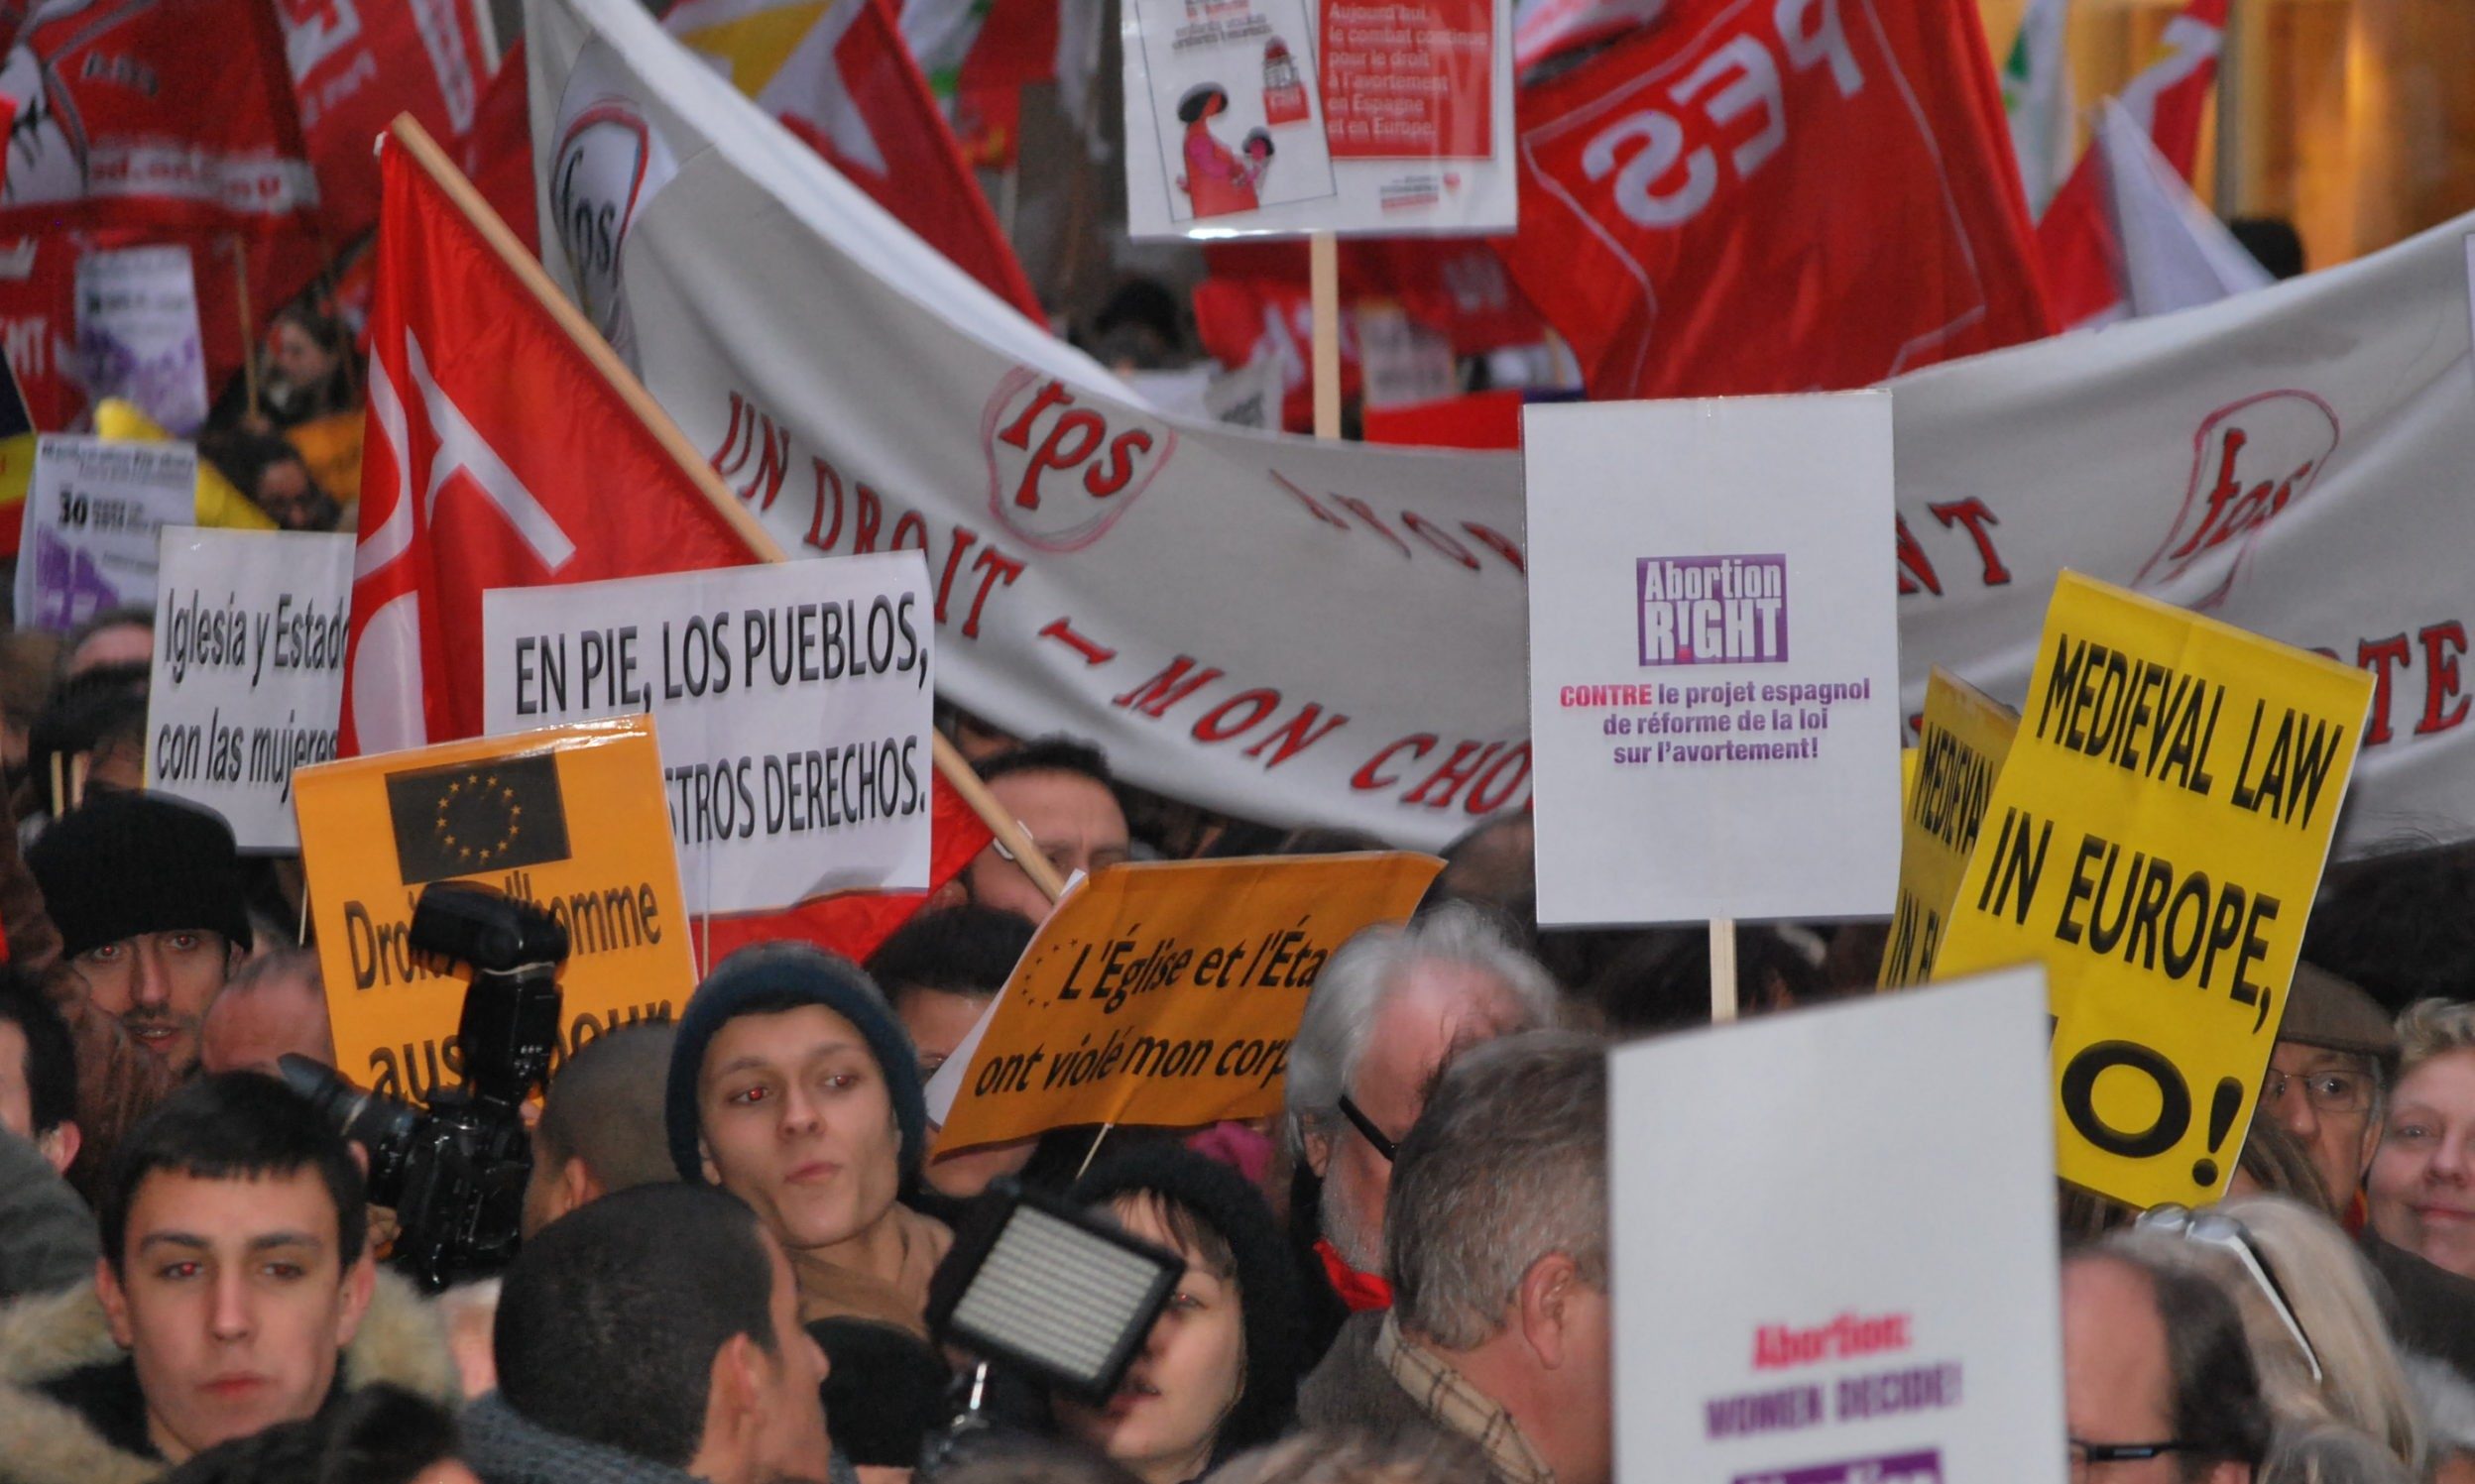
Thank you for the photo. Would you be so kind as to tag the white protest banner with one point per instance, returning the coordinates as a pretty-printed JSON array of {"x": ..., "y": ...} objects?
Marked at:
[
  {"x": 1256, "y": 117},
  {"x": 1335, "y": 634},
  {"x": 1714, "y": 659},
  {"x": 249, "y": 671},
  {"x": 792, "y": 702},
  {"x": 138, "y": 335},
  {"x": 92, "y": 509},
  {"x": 1871, "y": 1243}
]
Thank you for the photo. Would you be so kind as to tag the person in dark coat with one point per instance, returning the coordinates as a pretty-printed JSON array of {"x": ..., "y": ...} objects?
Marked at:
[{"x": 1219, "y": 1373}]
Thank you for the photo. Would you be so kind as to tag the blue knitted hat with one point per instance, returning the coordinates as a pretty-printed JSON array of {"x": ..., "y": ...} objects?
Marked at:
[{"x": 771, "y": 974}]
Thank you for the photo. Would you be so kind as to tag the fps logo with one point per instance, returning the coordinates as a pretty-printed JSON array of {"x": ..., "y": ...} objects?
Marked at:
[
  {"x": 1060, "y": 473},
  {"x": 1713, "y": 610},
  {"x": 609, "y": 165},
  {"x": 2249, "y": 461}
]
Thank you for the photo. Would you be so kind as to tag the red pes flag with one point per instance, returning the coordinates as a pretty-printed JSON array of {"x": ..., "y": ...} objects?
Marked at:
[
  {"x": 2075, "y": 236},
  {"x": 501, "y": 453},
  {"x": 836, "y": 74},
  {"x": 497, "y": 153},
  {"x": 1776, "y": 196},
  {"x": 355, "y": 64},
  {"x": 153, "y": 112}
]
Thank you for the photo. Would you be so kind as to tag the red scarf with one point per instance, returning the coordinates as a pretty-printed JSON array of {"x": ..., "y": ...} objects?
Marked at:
[{"x": 1358, "y": 1291}]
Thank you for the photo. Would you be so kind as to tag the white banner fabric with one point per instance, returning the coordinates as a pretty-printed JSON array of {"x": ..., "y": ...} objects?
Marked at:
[{"x": 1336, "y": 634}]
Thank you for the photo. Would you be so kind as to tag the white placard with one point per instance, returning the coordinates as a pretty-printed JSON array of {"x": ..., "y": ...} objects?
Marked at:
[
  {"x": 249, "y": 671},
  {"x": 138, "y": 333},
  {"x": 1375, "y": 117},
  {"x": 792, "y": 701},
  {"x": 1713, "y": 658},
  {"x": 92, "y": 509},
  {"x": 1863, "y": 1196}
]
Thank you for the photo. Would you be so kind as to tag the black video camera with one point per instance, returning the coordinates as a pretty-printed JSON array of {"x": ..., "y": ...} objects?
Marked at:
[{"x": 456, "y": 1171}]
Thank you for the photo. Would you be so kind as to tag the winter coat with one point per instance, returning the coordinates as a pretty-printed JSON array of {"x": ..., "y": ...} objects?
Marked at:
[
  {"x": 47, "y": 1234},
  {"x": 505, "y": 1448},
  {"x": 49, "y": 1340}
]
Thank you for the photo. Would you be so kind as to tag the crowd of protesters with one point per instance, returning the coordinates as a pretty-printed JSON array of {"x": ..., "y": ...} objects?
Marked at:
[{"x": 733, "y": 1235}]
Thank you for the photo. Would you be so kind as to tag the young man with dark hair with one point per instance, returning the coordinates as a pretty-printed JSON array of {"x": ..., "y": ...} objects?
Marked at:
[
  {"x": 235, "y": 1292},
  {"x": 147, "y": 893},
  {"x": 601, "y": 1127},
  {"x": 653, "y": 1337},
  {"x": 1061, "y": 791},
  {"x": 939, "y": 970}
]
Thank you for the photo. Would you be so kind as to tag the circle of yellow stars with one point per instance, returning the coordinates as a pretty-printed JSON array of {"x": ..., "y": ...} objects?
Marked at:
[{"x": 479, "y": 792}]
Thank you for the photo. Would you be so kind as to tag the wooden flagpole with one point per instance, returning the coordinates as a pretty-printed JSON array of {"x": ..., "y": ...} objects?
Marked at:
[
  {"x": 1722, "y": 970},
  {"x": 951, "y": 764},
  {"x": 1323, "y": 257}
]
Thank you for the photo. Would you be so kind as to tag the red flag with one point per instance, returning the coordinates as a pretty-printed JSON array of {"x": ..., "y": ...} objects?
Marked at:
[
  {"x": 499, "y": 453},
  {"x": 153, "y": 112},
  {"x": 496, "y": 152},
  {"x": 1256, "y": 302},
  {"x": 2075, "y": 236},
  {"x": 355, "y": 64},
  {"x": 1778, "y": 196},
  {"x": 836, "y": 74}
]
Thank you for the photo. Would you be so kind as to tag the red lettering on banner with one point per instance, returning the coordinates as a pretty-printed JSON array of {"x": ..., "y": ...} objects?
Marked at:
[
  {"x": 1092, "y": 652},
  {"x": 1297, "y": 735},
  {"x": 767, "y": 443},
  {"x": 863, "y": 527},
  {"x": 964, "y": 536},
  {"x": 1364, "y": 780},
  {"x": 1155, "y": 696},
  {"x": 1304, "y": 498},
  {"x": 2381, "y": 657},
  {"x": 2287, "y": 436},
  {"x": 1916, "y": 569},
  {"x": 1100, "y": 468},
  {"x": 1972, "y": 513},
  {"x": 818, "y": 537},
  {"x": 995, "y": 566},
  {"x": 1481, "y": 802},
  {"x": 2440, "y": 677},
  {"x": 1216, "y": 725},
  {"x": 917, "y": 529},
  {"x": 1439, "y": 539},
  {"x": 1455, "y": 771},
  {"x": 1500, "y": 543},
  {"x": 1364, "y": 513}
]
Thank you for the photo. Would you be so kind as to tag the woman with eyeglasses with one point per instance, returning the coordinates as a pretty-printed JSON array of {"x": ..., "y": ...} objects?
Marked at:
[
  {"x": 2422, "y": 1189},
  {"x": 2310, "y": 1315}
]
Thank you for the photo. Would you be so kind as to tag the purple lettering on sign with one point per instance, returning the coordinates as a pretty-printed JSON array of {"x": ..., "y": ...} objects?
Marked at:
[
  {"x": 1713, "y": 610},
  {"x": 1902, "y": 1468}
]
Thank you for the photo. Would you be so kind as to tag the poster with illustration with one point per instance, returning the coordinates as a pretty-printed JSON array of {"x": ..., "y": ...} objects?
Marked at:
[
  {"x": 1234, "y": 124},
  {"x": 1281, "y": 117}
]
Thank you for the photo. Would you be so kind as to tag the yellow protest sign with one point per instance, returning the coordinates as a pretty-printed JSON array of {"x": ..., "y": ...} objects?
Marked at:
[
  {"x": 1168, "y": 993},
  {"x": 1949, "y": 777},
  {"x": 2154, "y": 838},
  {"x": 571, "y": 819}
]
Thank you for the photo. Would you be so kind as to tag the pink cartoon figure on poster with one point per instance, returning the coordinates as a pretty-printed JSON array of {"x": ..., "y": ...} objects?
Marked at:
[
  {"x": 1284, "y": 94},
  {"x": 1217, "y": 182},
  {"x": 1256, "y": 147}
]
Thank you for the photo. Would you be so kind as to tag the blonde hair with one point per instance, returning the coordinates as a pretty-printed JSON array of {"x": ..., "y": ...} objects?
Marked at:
[
  {"x": 2431, "y": 1028},
  {"x": 2329, "y": 1289}
]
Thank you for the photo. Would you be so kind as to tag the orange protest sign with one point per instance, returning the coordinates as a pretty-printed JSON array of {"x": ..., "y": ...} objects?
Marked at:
[
  {"x": 571, "y": 819},
  {"x": 1168, "y": 993}
]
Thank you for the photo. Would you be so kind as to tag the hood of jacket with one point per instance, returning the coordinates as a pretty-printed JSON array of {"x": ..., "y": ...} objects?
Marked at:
[{"x": 42, "y": 1340}]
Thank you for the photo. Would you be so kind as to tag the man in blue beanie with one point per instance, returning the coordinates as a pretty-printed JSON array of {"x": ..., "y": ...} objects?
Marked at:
[{"x": 794, "y": 1087}]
